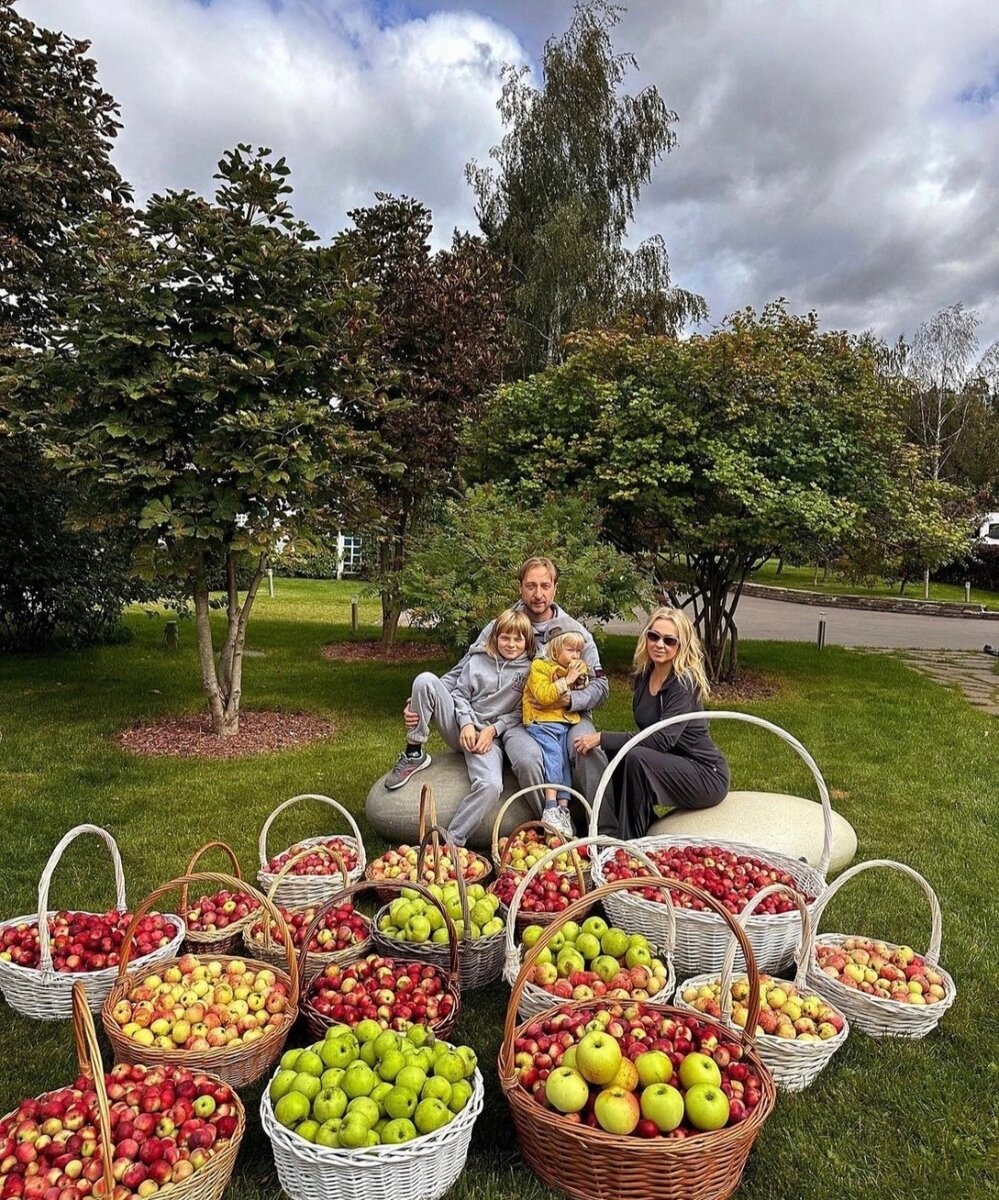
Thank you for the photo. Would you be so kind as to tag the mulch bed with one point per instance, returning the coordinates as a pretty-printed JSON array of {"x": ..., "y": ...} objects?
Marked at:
[
  {"x": 374, "y": 651},
  {"x": 259, "y": 733}
]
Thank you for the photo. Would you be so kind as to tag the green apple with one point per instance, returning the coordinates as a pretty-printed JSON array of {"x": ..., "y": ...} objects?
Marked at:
[
  {"x": 328, "y": 1134},
  {"x": 400, "y": 1102},
  {"x": 431, "y": 1115},
  {"x": 531, "y": 935},
  {"x": 307, "y": 1130},
  {"x": 605, "y": 966},
  {"x": 412, "y": 1077},
  {"x": 617, "y": 1110},
  {"x": 588, "y": 946},
  {"x": 653, "y": 1067},
  {"x": 699, "y": 1068},
  {"x": 289, "y": 1059},
  {"x": 331, "y": 1102},
  {"x": 390, "y": 1066},
  {"x": 566, "y": 1090},
  {"x": 387, "y": 1040},
  {"x": 394, "y": 1133},
  {"x": 339, "y": 1051},
  {"x": 353, "y": 1133},
  {"x": 662, "y": 1104},
  {"x": 570, "y": 961},
  {"x": 706, "y": 1106},
  {"x": 308, "y": 1085},
  {"x": 291, "y": 1108},
  {"x": 365, "y": 1107},
  {"x": 281, "y": 1084},
  {"x": 380, "y": 1091},
  {"x": 309, "y": 1063},
  {"x": 638, "y": 956},
  {"x": 450, "y": 1066},
  {"x": 420, "y": 1035},
  {"x": 469, "y": 1058},
  {"x": 436, "y": 1088},
  {"x": 615, "y": 943},
  {"x": 598, "y": 1057},
  {"x": 368, "y": 1055},
  {"x": 417, "y": 929},
  {"x": 358, "y": 1080},
  {"x": 367, "y": 1030},
  {"x": 570, "y": 931},
  {"x": 461, "y": 1093},
  {"x": 595, "y": 925}
]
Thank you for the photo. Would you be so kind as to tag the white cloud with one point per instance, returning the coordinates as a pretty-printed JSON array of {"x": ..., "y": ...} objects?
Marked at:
[{"x": 841, "y": 153}]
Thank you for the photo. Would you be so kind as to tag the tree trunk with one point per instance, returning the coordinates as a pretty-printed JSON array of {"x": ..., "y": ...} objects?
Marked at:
[
  {"x": 391, "y": 613},
  {"x": 206, "y": 653},
  {"x": 780, "y": 565}
]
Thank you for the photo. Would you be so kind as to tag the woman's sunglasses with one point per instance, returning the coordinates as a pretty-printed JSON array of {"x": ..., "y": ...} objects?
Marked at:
[{"x": 667, "y": 639}]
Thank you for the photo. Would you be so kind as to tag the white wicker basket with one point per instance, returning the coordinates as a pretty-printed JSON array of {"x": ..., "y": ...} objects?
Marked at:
[
  {"x": 875, "y": 1016},
  {"x": 794, "y": 1065},
  {"x": 422, "y": 1169},
  {"x": 536, "y": 999},
  {"x": 299, "y": 891},
  {"x": 43, "y": 992},
  {"x": 702, "y": 937}
]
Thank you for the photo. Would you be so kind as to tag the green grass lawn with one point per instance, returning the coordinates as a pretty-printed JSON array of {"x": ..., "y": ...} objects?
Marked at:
[
  {"x": 804, "y": 579},
  {"x": 911, "y": 765}
]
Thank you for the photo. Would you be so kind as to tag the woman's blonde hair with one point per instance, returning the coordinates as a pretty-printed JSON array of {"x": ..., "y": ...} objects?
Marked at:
[
  {"x": 555, "y": 645},
  {"x": 689, "y": 661},
  {"x": 511, "y": 621}
]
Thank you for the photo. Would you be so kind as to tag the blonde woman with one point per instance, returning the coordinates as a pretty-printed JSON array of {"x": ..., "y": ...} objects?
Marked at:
[{"x": 678, "y": 767}]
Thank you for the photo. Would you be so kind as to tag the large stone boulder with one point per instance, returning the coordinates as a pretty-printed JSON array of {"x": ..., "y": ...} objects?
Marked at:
[
  {"x": 790, "y": 825},
  {"x": 395, "y": 814}
]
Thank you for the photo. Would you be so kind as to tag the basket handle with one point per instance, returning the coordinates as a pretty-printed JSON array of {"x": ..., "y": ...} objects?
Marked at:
[
  {"x": 593, "y": 840},
  {"x": 428, "y": 810},
  {"x": 437, "y": 837},
  {"x": 932, "y": 955},
  {"x": 262, "y": 845},
  {"x": 506, "y": 1068},
  {"x": 533, "y": 787},
  {"x": 227, "y": 850},
  {"x": 321, "y": 850},
  {"x": 802, "y": 955},
  {"x": 44, "y": 949},
  {"x": 226, "y": 881},
  {"x": 88, "y": 1054},
  {"x": 721, "y": 715},
  {"x": 504, "y": 859},
  {"x": 371, "y": 885}
]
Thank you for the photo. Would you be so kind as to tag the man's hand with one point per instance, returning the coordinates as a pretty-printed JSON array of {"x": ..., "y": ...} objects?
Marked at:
[
  {"x": 468, "y": 737},
  {"x": 485, "y": 739},
  {"x": 410, "y": 717},
  {"x": 586, "y": 742}
]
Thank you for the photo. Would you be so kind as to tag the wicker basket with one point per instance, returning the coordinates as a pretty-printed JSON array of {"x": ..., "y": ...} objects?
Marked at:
[
  {"x": 536, "y": 999},
  {"x": 585, "y": 1162},
  {"x": 480, "y": 960},
  {"x": 239, "y": 1065},
  {"x": 299, "y": 891},
  {"x": 502, "y": 864},
  {"x": 43, "y": 992},
  {"x": 794, "y": 1065},
  {"x": 317, "y": 1022},
  {"x": 210, "y": 1181},
  {"x": 262, "y": 947},
  {"x": 199, "y": 941},
  {"x": 702, "y": 937},
  {"x": 422, "y": 1169},
  {"x": 523, "y": 919},
  {"x": 875, "y": 1016}
]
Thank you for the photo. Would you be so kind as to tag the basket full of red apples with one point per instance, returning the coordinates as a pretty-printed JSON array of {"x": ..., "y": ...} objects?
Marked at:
[
  {"x": 215, "y": 922},
  {"x": 313, "y": 878}
]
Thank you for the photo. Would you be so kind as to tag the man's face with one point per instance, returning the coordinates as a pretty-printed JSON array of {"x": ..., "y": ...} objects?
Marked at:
[{"x": 537, "y": 591}]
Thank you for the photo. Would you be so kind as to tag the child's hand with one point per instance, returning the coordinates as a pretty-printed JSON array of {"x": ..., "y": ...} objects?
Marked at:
[
  {"x": 468, "y": 737},
  {"x": 576, "y": 671}
]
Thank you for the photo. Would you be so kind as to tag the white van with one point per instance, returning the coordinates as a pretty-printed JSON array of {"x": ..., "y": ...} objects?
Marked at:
[{"x": 988, "y": 533}]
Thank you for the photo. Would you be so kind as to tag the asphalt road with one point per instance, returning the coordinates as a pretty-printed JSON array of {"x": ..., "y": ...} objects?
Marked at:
[{"x": 774, "y": 620}]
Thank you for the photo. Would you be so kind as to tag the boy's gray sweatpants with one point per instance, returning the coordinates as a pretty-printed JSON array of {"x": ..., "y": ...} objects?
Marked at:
[{"x": 431, "y": 701}]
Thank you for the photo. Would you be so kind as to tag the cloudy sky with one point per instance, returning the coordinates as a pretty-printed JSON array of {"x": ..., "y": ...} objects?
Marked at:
[{"x": 842, "y": 153}]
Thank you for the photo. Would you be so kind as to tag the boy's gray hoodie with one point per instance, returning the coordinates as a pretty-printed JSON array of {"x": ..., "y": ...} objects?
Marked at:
[{"x": 490, "y": 690}]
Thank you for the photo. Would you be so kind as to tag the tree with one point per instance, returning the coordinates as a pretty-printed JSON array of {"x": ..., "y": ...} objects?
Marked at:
[
  {"x": 569, "y": 171},
  {"x": 463, "y": 574},
  {"x": 709, "y": 455},
  {"x": 440, "y": 345},
  {"x": 202, "y": 390}
]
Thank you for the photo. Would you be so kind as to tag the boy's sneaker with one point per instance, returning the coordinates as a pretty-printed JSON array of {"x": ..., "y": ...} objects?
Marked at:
[
  {"x": 557, "y": 818},
  {"x": 406, "y": 765}
]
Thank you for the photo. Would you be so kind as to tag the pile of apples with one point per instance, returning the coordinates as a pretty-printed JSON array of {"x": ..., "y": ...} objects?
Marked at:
[
  {"x": 630, "y": 1070},
  {"x": 732, "y": 879},
  {"x": 550, "y": 891},
  {"x": 885, "y": 972},
  {"x": 401, "y": 864},
  {"x": 339, "y": 929},
  {"x": 371, "y": 1086},
  {"x": 411, "y": 918},
  {"x": 785, "y": 1012},
  {"x": 215, "y": 913},
  {"x": 166, "y": 1125},
  {"x": 531, "y": 845},
  {"x": 316, "y": 863},
  {"x": 82, "y": 941},
  {"x": 199, "y": 1005},
  {"x": 395, "y": 994},
  {"x": 592, "y": 960}
]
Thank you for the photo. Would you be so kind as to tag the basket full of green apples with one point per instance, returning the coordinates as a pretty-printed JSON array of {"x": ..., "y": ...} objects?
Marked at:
[{"x": 373, "y": 1112}]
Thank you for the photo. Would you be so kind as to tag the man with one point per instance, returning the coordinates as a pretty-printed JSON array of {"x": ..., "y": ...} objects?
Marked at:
[{"x": 538, "y": 582}]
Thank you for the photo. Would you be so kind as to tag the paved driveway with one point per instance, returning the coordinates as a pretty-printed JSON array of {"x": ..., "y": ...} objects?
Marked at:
[{"x": 774, "y": 620}]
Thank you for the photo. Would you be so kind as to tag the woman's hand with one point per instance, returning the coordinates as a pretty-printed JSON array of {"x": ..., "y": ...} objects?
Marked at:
[
  {"x": 586, "y": 742},
  {"x": 468, "y": 737},
  {"x": 485, "y": 739}
]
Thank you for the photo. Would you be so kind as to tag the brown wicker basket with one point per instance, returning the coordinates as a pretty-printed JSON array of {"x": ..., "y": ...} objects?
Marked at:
[
  {"x": 523, "y": 919},
  {"x": 480, "y": 960},
  {"x": 261, "y": 945},
  {"x": 428, "y": 822},
  {"x": 585, "y": 1162},
  {"x": 199, "y": 941},
  {"x": 534, "y": 787},
  {"x": 209, "y": 1182},
  {"x": 317, "y": 1022},
  {"x": 238, "y": 1066}
]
